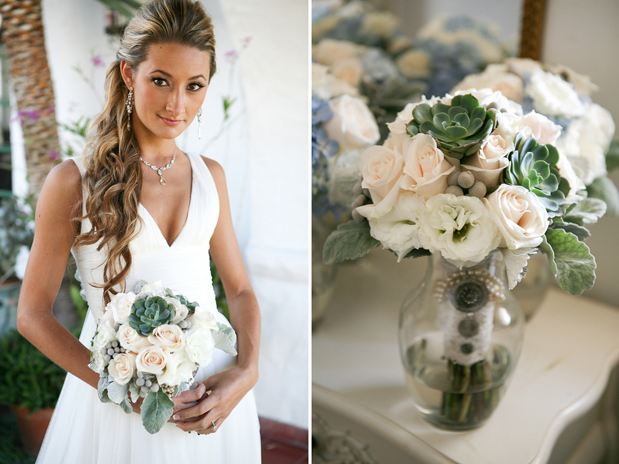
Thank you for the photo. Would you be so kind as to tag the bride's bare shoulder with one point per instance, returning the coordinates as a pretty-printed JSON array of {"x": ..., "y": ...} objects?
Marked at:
[
  {"x": 217, "y": 171},
  {"x": 63, "y": 186}
]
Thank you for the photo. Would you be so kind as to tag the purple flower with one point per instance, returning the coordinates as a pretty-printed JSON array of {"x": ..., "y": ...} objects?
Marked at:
[
  {"x": 231, "y": 55},
  {"x": 96, "y": 60},
  {"x": 245, "y": 42},
  {"x": 53, "y": 154}
]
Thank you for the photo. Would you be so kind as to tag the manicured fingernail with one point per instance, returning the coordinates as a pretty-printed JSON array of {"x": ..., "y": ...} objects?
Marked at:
[{"x": 175, "y": 417}]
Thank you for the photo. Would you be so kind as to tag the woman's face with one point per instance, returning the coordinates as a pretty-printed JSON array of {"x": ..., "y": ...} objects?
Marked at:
[{"x": 168, "y": 88}]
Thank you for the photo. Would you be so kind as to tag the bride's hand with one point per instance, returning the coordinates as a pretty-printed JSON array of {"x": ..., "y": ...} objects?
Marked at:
[
  {"x": 227, "y": 389},
  {"x": 188, "y": 398}
]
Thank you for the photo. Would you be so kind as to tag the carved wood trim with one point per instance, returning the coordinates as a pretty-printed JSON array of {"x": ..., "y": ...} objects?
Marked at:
[{"x": 531, "y": 29}]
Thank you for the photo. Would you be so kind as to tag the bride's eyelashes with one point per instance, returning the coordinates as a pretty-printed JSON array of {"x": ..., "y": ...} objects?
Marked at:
[{"x": 160, "y": 82}]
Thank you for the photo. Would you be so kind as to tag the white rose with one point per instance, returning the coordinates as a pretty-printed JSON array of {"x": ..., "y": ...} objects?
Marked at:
[
  {"x": 542, "y": 129},
  {"x": 349, "y": 70},
  {"x": 122, "y": 367},
  {"x": 326, "y": 85},
  {"x": 152, "y": 360},
  {"x": 200, "y": 345},
  {"x": 460, "y": 228},
  {"x": 398, "y": 230},
  {"x": 381, "y": 23},
  {"x": 490, "y": 161},
  {"x": 496, "y": 78},
  {"x": 353, "y": 124},
  {"x": 519, "y": 215},
  {"x": 330, "y": 51},
  {"x": 104, "y": 334},
  {"x": 425, "y": 167},
  {"x": 120, "y": 306},
  {"x": 414, "y": 64},
  {"x": 179, "y": 369},
  {"x": 553, "y": 96},
  {"x": 381, "y": 168},
  {"x": 405, "y": 116},
  {"x": 167, "y": 336},
  {"x": 567, "y": 172},
  {"x": 203, "y": 318},
  {"x": 180, "y": 310},
  {"x": 130, "y": 339}
]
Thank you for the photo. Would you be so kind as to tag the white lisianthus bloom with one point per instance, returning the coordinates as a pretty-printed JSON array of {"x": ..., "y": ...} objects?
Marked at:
[
  {"x": 519, "y": 215},
  {"x": 203, "y": 318},
  {"x": 405, "y": 116},
  {"x": 120, "y": 306},
  {"x": 330, "y": 51},
  {"x": 488, "y": 97},
  {"x": 97, "y": 363},
  {"x": 586, "y": 140},
  {"x": 21, "y": 260},
  {"x": 381, "y": 168},
  {"x": 325, "y": 85},
  {"x": 497, "y": 78},
  {"x": 180, "y": 310},
  {"x": 122, "y": 367},
  {"x": 152, "y": 360},
  {"x": 414, "y": 64},
  {"x": 460, "y": 228},
  {"x": 567, "y": 172},
  {"x": 352, "y": 125},
  {"x": 553, "y": 96},
  {"x": 154, "y": 289},
  {"x": 105, "y": 334},
  {"x": 349, "y": 70},
  {"x": 398, "y": 230},
  {"x": 425, "y": 167},
  {"x": 130, "y": 339},
  {"x": 168, "y": 336},
  {"x": 199, "y": 345},
  {"x": 179, "y": 369}
]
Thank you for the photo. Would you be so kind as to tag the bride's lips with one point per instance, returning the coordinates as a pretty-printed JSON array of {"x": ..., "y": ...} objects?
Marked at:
[{"x": 171, "y": 122}]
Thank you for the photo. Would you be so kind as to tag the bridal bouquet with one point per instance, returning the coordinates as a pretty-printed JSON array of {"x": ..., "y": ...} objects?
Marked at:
[
  {"x": 463, "y": 175},
  {"x": 150, "y": 343}
]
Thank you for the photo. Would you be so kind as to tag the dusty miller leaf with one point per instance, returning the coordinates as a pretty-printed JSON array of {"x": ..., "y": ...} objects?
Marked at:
[
  {"x": 612, "y": 156},
  {"x": 117, "y": 393},
  {"x": 516, "y": 264},
  {"x": 225, "y": 338},
  {"x": 570, "y": 261},
  {"x": 351, "y": 240},
  {"x": 586, "y": 211},
  {"x": 104, "y": 381},
  {"x": 156, "y": 410},
  {"x": 603, "y": 189}
]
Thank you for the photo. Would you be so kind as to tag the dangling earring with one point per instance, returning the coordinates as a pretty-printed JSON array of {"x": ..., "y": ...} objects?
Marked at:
[
  {"x": 129, "y": 105},
  {"x": 199, "y": 121}
]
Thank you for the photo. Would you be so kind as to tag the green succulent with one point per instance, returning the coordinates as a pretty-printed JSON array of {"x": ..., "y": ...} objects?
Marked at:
[
  {"x": 191, "y": 306},
  {"x": 459, "y": 129},
  {"x": 534, "y": 167},
  {"x": 149, "y": 313}
]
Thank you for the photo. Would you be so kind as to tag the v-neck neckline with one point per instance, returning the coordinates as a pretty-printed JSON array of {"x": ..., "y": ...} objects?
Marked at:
[{"x": 191, "y": 194}]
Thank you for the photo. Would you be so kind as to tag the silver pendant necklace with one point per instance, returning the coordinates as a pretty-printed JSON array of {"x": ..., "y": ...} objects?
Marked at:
[{"x": 162, "y": 168}]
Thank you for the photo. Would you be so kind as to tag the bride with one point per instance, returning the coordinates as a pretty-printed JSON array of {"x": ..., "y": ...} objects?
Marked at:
[{"x": 134, "y": 207}]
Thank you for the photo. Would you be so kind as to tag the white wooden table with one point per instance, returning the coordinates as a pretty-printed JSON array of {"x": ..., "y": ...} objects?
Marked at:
[{"x": 553, "y": 411}]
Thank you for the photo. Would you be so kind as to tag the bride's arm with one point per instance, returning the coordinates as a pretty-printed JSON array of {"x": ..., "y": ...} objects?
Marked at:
[
  {"x": 53, "y": 237},
  {"x": 230, "y": 386}
]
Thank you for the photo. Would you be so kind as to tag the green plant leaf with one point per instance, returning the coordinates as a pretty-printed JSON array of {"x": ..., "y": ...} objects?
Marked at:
[
  {"x": 126, "y": 406},
  {"x": 225, "y": 338},
  {"x": 117, "y": 393},
  {"x": 104, "y": 381},
  {"x": 612, "y": 156},
  {"x": 603, "y": 189},
  {"x": 351, "y": 240},
  {"x": 581, "y": 232},
  {"x": 156, "y": 409},
  {"x": 570, "y": 261},
  {"x": 586, "y": 211}
]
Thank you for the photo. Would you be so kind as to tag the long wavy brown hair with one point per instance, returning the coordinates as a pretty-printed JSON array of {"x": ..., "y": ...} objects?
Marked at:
[{"x": 113, "y": 178}]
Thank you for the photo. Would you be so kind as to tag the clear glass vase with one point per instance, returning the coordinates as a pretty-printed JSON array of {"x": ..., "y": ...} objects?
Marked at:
[{"x": 460, "y": 335}]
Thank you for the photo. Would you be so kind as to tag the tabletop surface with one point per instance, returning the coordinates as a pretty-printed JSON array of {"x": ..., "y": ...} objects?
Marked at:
[{"x": 570, "y": 347}]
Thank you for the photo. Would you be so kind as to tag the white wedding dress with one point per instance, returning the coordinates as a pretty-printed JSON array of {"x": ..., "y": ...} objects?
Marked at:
[{"x": 85, "y": 431}]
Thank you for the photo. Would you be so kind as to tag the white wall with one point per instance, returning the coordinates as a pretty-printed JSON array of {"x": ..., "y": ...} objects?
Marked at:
[{"x": 264, "y": 154}]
